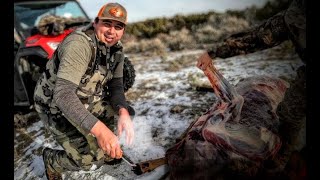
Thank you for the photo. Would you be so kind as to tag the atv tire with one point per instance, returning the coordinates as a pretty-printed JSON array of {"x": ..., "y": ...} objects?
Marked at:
[{"x": 128, "y": 74}]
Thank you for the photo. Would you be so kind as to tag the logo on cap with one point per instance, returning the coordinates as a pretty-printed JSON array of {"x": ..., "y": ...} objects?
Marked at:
[{"x": 116, "y": 12}]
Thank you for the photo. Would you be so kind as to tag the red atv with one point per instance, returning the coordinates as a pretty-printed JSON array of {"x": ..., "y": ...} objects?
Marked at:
[{"x": 36, "y": 38}]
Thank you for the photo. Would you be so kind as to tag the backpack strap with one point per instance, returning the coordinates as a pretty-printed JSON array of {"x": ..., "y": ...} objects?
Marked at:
[
  {"x": 88, "y": 33},
  {"x": 93, "y": 46}
]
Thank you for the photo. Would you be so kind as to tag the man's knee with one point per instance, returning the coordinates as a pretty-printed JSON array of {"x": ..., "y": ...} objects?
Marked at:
[
  {"x": 84, "y": 150},
  {"x": 85, "y": 161}
]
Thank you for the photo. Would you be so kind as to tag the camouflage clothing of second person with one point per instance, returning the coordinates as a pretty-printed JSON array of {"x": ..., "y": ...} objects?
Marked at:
[{"x": 55, "y": 25}]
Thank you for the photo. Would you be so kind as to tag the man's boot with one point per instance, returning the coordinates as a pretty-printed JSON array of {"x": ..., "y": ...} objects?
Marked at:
[{"x": 50, "y": 172}]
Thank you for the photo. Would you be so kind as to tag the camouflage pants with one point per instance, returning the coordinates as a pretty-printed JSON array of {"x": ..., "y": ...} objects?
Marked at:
[
  {"x": 292, "y": 111},
  {"x": 81, "y": 150}
]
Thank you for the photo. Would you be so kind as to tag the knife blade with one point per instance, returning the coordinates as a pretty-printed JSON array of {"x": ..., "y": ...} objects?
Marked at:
[{"x": 128, "y": 162}]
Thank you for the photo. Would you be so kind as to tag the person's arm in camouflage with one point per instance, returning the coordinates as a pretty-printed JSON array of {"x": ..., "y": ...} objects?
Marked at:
[{"x": 269, "y": 34}]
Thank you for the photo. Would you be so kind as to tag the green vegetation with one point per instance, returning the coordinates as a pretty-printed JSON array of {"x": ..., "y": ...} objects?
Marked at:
[
  {"x": 152, "y": 27},
  {"x": 195, "y": 30}
]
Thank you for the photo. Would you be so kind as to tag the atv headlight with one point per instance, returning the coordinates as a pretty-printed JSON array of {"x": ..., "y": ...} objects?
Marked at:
[{"x": 53, "y": 45}]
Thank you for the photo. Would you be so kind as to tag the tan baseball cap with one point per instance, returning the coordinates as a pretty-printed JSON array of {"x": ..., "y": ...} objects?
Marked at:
[{"x": 113, "y": 11}]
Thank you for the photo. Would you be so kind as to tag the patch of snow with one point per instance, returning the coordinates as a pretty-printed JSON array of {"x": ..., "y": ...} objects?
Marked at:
[{"x": 156, "y": 127}]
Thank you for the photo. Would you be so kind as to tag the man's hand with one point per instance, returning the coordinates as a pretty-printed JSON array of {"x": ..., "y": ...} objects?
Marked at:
[
  {"x": 204, "y": 61},
  {"x": 107, "y": 140},
  {"x": 125, "y": 123}
]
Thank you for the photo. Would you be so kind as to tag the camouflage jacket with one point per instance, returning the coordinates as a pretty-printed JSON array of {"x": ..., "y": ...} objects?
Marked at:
[
  {"x": 288, "y": 24},
  {"x": 94, "y": 82}
]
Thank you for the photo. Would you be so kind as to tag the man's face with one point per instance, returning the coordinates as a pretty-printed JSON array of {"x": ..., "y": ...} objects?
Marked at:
[{"x": 109, "y": 31}]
